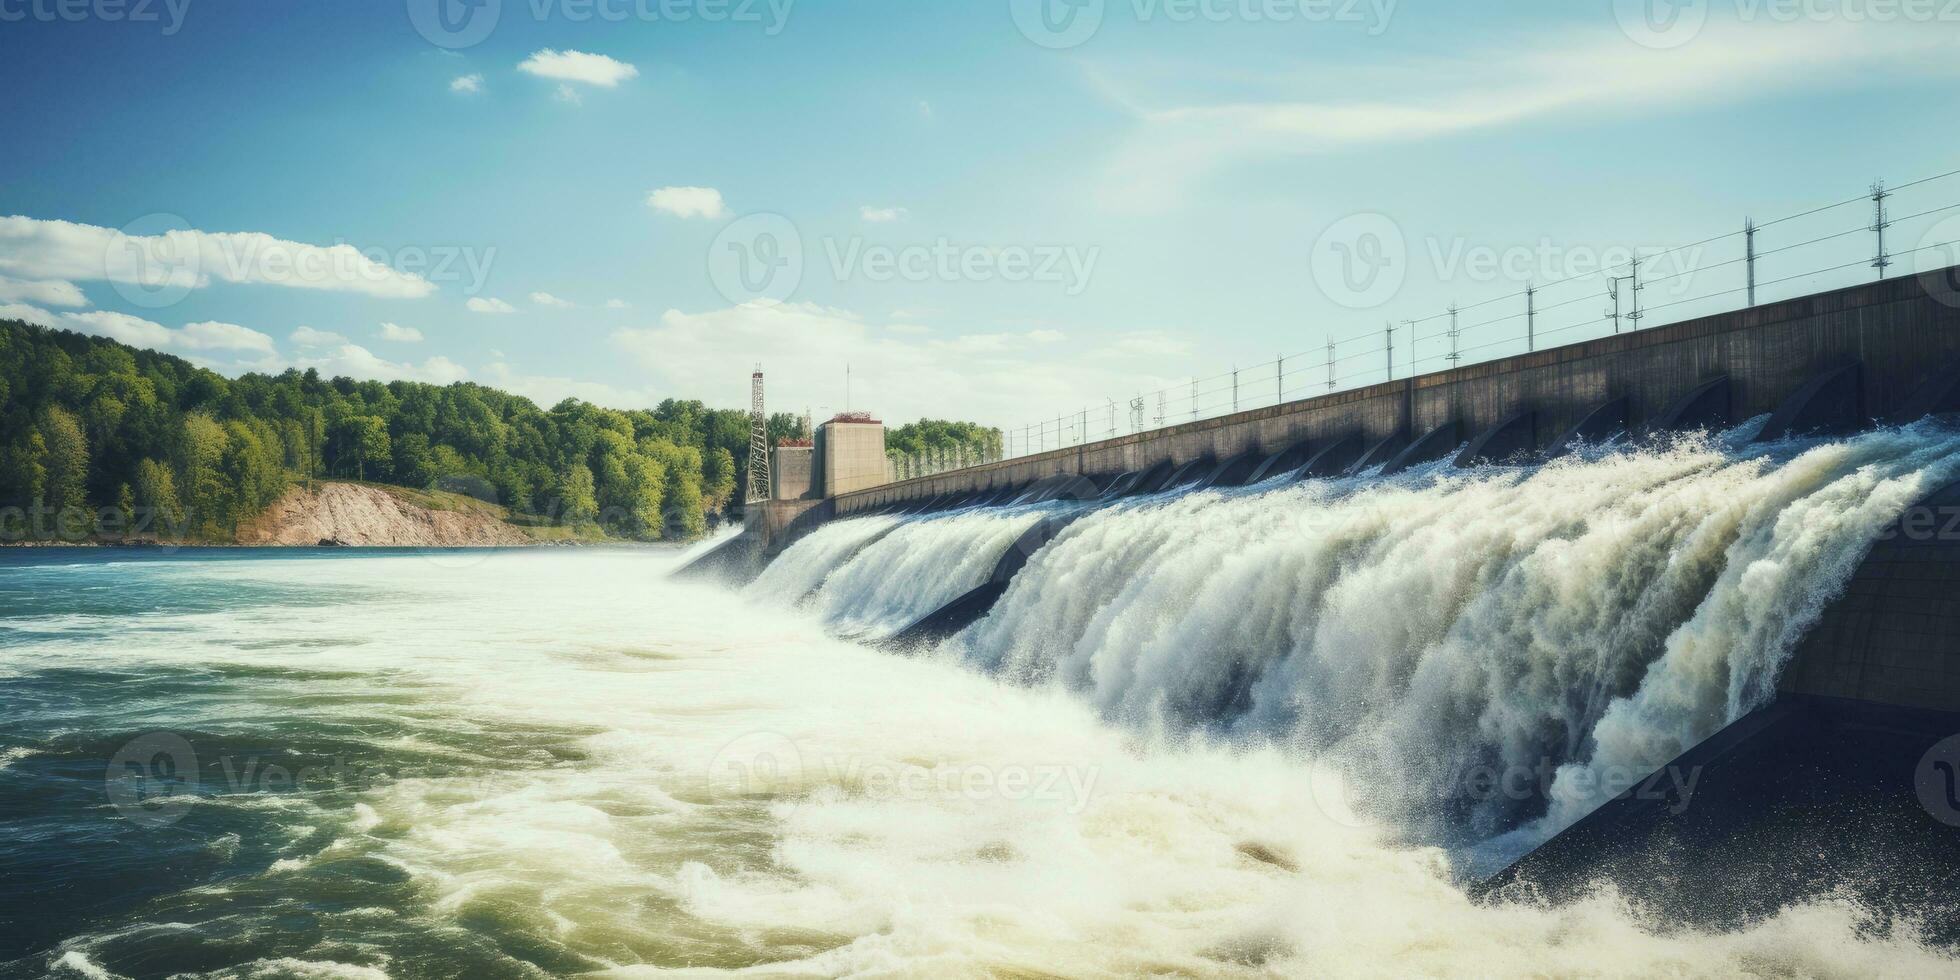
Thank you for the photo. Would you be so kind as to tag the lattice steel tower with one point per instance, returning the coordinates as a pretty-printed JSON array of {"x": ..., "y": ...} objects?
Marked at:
[{"x": 758, "y": 440}]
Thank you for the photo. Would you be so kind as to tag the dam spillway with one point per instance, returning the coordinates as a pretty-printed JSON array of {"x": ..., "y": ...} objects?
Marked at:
[
  {"x": 1500, "y": 606},
  {"x": 1564, "y": 629}
]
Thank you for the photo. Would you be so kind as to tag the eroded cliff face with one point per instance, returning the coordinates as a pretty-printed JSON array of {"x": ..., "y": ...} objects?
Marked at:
[{"x": 355, "y": 515}]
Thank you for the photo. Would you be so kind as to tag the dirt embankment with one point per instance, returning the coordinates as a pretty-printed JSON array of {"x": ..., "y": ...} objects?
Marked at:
[{"x": 355, "y": 515}]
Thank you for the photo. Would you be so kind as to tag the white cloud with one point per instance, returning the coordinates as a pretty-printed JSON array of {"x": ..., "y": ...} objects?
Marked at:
[
  {"x": 688, "y": 202},
  {"x": 132, "y": 330},
  {"x": 187, "y": 258},
  {"x": 213, "y": 335},
  {"x": 355, "y": 361},
  {"x": 479, "y": 304},
  {"x": 1006, "y": 379},
  {"x": 548, "y": 390},
  {"x": 618, "y": 304},
  {"x": 467, "y": 84},
  {"x": 400, "y": 334},
  {"x": 1580, "y": 76},
  {"x": 327, "y": 351},
  {"x": 546, "y": 299},
  {"x": 881, "y": 215},
  {"x": 568, "y": 95},
  {"x": 243, "y": 349},
  {"x": 26, "y": 314},
  {"x": 1148, "y": 344},
  {"x": 309, "y": 337},
  {"x": 52, "y": 292},
  {"x": 578, "y": 66}
]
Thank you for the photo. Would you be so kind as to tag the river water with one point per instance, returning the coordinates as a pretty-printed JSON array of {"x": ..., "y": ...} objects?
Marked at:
[{"x": 552, "y": 763}]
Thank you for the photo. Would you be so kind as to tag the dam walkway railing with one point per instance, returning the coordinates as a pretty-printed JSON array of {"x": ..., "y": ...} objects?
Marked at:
[{"x": 1914, "y": 225}]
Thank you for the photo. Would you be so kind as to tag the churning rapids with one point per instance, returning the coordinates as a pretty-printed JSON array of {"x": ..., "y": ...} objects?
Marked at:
[{"x": 1201, "y": 734}]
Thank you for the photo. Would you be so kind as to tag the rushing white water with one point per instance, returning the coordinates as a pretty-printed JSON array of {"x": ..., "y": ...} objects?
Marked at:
[
  {"x": 922, "y": 564},
  {"x": 1573, "y": 626},
  {"x": 803, "y": 567},
  {"x": 584, "y": 768}
]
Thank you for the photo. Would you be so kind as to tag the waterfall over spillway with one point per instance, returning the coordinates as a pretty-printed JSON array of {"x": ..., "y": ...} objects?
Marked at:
[
  {"x": 801, "y": 569},
  {"x": 879, "y": 575},
  {"x": 1565, "y": 628}
]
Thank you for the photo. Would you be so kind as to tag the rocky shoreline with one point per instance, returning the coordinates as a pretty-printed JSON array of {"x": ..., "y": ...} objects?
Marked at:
[{"x": 356, "y": 515}]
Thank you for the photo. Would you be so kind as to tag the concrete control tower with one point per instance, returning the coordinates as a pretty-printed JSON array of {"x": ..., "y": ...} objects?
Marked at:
[
  {"x": 847, "y": 454},
  {"x": 851, "y": 453}
]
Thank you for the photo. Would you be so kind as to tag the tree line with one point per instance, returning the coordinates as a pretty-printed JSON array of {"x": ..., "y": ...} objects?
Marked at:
[
  {"x": 939, "y": 435},
  {"x": 92, "y": 427}
]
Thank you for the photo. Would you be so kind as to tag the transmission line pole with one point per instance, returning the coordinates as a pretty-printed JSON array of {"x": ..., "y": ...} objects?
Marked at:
[
  {"x": 1389, "y": 346},
  {"x": 1633, "y": 318},
  {"x": 758, "y": 440},
  {"x": 1530, "y": 317},
  {"x": 1749, "y": 255},
  {"x": 1455, "y": 334},
  {"x": 1879, "y": 224}
]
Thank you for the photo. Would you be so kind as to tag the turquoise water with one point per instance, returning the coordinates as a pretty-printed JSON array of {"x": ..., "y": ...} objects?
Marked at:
[{"x": 556, "y": 763}]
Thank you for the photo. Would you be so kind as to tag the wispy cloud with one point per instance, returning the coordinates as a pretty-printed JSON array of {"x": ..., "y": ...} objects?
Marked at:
[
  {"x": 399, "y": 334},
  {"x": 53, "y": 292},
  {"x": 132, "y": 330},
  {"x": 550, "y": 389},
  {"x": 309, "y": 337},
  {"x": 188, "y": 258},
  {"x": 688, "y": 202},
  {"x": 204, "y": 336},
  {"x": 898, "y": 374},
  {"x": 548, "y": 300},
  {"x": 578, "y": 66},
  {"x": 481, "y": 304},
  {"x": 879, "y": 216},
  {"x": 1547, "y": 76},
  {"x": 356, "y": 361},
  {"x": 467, "y": 84},
  {"x": 213, "y": 335}
]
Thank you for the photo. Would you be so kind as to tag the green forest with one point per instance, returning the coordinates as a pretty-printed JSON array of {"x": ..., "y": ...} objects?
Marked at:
[
  {"x": 939, "y": 436},
  {"x": 98, "y": 438}
]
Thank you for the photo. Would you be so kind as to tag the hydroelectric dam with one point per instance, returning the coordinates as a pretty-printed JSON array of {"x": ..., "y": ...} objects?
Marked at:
[{"x": 1675, "y": 612}]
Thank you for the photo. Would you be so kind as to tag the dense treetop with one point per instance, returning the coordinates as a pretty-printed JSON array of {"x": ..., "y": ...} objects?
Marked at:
[{"x": 87, "y": 423}]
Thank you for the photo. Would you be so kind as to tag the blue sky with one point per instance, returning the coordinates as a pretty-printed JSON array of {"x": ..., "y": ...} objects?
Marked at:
[{"x": 994, "y": 220}]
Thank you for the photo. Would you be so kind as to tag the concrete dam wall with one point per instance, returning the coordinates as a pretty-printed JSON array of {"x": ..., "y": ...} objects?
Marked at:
[
  {"x": 1747, "y": 639},
  {"x": 1899, "y": 333}
]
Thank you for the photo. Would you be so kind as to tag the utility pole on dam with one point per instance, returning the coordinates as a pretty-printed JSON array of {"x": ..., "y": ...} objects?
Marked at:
[
  {"x": 758, "y": 440},
  {"x": 1879, "y": 224}
]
